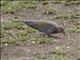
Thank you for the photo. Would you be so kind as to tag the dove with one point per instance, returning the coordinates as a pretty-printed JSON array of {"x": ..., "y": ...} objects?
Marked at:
[{"x": 46, "y": 27}]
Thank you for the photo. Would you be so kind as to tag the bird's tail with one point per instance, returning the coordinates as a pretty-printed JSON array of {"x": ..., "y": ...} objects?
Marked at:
[
  {"x": 22, "y": 21},
  {"x": 28, "y": 22}
]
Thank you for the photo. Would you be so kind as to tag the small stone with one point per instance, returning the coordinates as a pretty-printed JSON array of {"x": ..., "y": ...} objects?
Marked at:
[
  {"x": 57, "y": 47},
  {"x": 68, "y": 47},
  {"x": 33, "y": 42},
  {"x": 6, "y": 44}
]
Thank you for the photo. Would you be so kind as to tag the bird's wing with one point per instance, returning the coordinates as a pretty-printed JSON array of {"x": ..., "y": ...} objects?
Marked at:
[
  {"x": 42, "y": 26},
  {"x": 47, "y": 28}
]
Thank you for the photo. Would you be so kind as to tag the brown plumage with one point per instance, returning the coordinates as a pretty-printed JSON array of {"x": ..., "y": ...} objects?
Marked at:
[{"x": 45, "y": 26}]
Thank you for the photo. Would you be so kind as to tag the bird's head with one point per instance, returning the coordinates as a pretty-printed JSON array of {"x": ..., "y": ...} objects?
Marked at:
[{"x": 61, "y": 29}]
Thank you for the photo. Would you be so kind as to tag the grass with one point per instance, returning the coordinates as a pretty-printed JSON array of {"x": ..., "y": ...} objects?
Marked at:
[
  {"x": 13, "y": 33},
  {"x": 54, "y": 54},
  {"x": 72, "y": 3},
  {"x": 67, "y": 16},
  {"x": 8, "y": 6},
  {"x": 16, "y": 33},
  {"x": 19, "y": 32},
  {"x": 74, "y": 28},
  {"x": 22, "y": 31},
  {"x": 58, "y": 54},
  {"x": 59, "y": 14}
]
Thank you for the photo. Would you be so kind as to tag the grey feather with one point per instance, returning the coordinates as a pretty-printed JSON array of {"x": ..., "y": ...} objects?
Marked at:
[{"x": 45, "y": 26}]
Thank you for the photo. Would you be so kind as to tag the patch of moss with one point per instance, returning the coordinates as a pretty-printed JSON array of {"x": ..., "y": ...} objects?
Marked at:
[
  {"x": 8, "y": 6},
  {"x": 74, "y": 28}
]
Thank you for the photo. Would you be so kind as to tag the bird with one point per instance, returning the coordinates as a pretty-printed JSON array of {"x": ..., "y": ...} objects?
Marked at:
[{"x": 46, "y": 27}]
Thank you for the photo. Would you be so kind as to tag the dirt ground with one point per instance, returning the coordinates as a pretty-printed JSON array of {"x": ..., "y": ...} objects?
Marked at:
[
  {"x": 70, "y": 43},
  {"x": 27, "y": 51}
]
